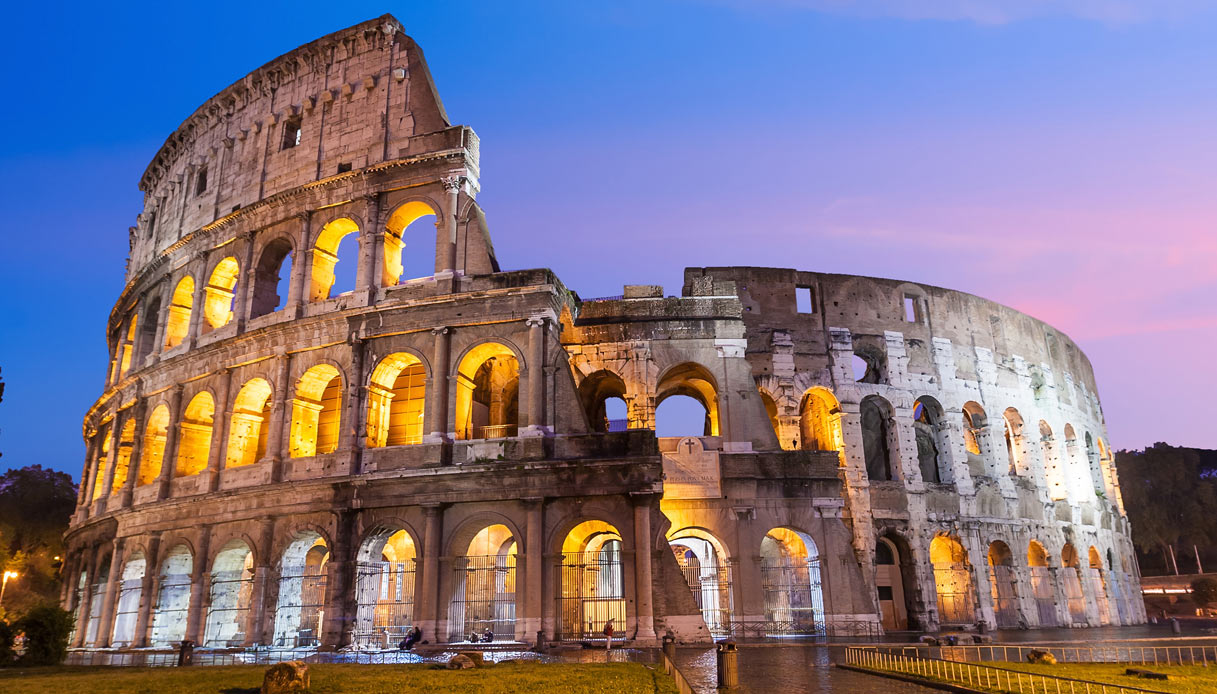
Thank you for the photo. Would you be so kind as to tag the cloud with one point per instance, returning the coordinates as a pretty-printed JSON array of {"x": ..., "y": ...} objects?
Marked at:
[{"x": 993, "y": 12}]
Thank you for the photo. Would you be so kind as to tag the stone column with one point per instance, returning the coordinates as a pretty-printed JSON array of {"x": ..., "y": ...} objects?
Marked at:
[
  {"x": 255, "y": 631},
  {"x": 169, "y": 458},
  {"x": 147, "y": 592},
  {"x": 536, "y": 377},
  {"x": 139, "y": 413},
  {"x": 196, "y": 311},
  {"x": 199, "y": 585},
  {"x": 82, "y": 494},
  {"x": 371, "y": 239},
  {"x": 642, "y": 566},
  {"x": 245, "y": 285},
  {"x": 111, "y": 462},
  {"x": 105, "y": 627},
  {"x": 219, "y": 431},
  {"x": 427, "y": 595},
  {"x": 437, "y": 405},
  {"x": 349, "y": 438},
  {"x": 447, "y": 242},
  {"x": 340, "y": 593},
  {"x": 297, "y": 292},
  {"x": 279, "y": 415},
  {"x": 534, "y": 566}
]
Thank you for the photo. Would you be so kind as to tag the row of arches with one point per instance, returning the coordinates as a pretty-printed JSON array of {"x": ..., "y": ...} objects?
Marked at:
[{"x": 333, "y": 261}]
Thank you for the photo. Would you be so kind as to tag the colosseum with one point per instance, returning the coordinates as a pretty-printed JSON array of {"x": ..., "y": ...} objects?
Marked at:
[{"x": 330, "y": 416}]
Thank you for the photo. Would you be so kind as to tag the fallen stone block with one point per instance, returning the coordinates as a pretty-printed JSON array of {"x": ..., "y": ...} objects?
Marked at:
[{"x": 284, "y": 678}]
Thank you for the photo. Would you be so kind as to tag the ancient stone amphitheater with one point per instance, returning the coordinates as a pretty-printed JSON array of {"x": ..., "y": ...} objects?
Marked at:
[{"x": 327, "y": 421}]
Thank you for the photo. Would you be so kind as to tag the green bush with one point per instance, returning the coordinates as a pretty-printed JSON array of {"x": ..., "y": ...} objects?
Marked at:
[
  {"x": 46, "y": 630},
  {"x": 1204, "y": 591},
  {"x": 7, "y": 636}
]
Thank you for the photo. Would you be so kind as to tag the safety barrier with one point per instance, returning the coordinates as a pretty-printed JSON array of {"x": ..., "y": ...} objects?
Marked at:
[{"x": 1096, "y": 652}]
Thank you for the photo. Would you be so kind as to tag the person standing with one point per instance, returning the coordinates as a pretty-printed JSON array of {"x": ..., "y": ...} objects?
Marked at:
[{"x": 608, "y": 634}]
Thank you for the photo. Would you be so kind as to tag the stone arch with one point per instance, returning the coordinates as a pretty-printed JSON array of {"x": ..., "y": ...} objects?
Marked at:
[
  {"x": 219, "y": 293},
  {"x": 396, "y": 400},
  {"x": 181, "y": 305},
  {"x": 276, "y": 256},
  {"x": 126, "y": 608},
  {"x": 152, "y": 453},
  {"x": 232, "y": 580},
  {"x": 326, "y": 252},
  {"x": 878, "y": 438},
  {"x": 895, "y": 581},
  {"x": 122, "y": 457},
  {"x": 706, "y": 564},
  {"x": 400, "y": 219},
  {"x": 771, "y": 413},
  {"x": 488, "y": 391},
  {"x": 790, "y": 582},
  {"x": 302, "y": 583},
  {"x": 250, "y": 424},
  {"x": 975, "y": 424},
  {"x": 593, "y": 580},
  {"x": 146, "y": 339},
  {"x": 1015, "y": 450},
  {"x": 194, "y": 437},
  {"x": 933, "y": 446},
  {"x": 1055, "y": 468},
  {"x": 1071, "y": 579},
  {"x": 820, "y": 421},
  {"x": 169, "y": 618},
  {"x": 483, "y": 596},
  {"x": 952, "y": 580},
  {"x": 692, "y": 380},
  {"x": 316, "y": 411},
  {"x": 386, "y": 568},
  {"x": 1003, "y": 585},
  {"x": 595, "y": 390}
]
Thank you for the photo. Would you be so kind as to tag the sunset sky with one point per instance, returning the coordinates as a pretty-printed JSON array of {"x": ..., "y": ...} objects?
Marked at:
[{"x": 1059, "y": 157}]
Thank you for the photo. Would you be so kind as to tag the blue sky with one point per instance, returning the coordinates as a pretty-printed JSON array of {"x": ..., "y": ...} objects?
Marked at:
[{"x": 1057, "y": 156}]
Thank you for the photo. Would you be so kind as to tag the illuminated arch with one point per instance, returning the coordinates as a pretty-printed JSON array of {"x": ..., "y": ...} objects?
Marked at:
[
  {"x": 232, "y": 582},
  {"x": 706, "y": 566},
  {"x": 384, "y": 586},
  {"x": 194, "y": 438},
  {"x": 396, "y": 401},
  {"x": 152, "y": 454},
  {"x": 394, "y": 240},
  {"x": 122, "y": 457},
  {"x": 1003, "y": 585},
  {"x": 595, "y": 390},
  {"x": 316, "y": 412},
  {"x": 790, "y": 583},
  {"x": 126, "y": 609},
  {"x": 325, "y": 256},
  {"x": 1013, "y": 422},
  {"x": 820, "y": 421},
  {"x": 1071, "y": 577},
  {"x": 694, "y": 381},
  {"x": 173, "y": 597},
  {"x": 219, "y": 293},
  {"x": 487, "y": 392},
  {"x": 952, "y": 581},
  {"x": 302, "y": 583},
  {"x": 484, "y": 586},
  {"x": 593, "y": 583},
  {"x": 771, "y": 411},
  {"x": 247, "y": 431},
  {"x": 177, "y": 324},
  {"x": 103, "y": 459}
]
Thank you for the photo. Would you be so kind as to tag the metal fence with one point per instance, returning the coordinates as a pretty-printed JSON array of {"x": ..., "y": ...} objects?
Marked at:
[
  {"x": 711, "y": 588},
  {"x": 1098, "y": 652},
  {"x": 483, "y": 597},
  {"x": 794, "y": 603},
  {"x": 593, "y": 592},
  {"x": 973, "y": 675}
]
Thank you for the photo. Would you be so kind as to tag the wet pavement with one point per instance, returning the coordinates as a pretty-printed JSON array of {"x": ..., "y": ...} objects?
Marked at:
[{"x": 789, "y": 669}]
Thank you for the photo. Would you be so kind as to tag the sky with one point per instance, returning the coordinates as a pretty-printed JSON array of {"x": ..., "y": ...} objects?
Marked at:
[{"x": 1057, "y": 156}]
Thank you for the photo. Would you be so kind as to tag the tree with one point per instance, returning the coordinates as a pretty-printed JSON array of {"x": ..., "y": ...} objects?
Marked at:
[
  {"x": 35, "y": 507},
  {"x": 1168, "y": 494},
  {"x": 1204, "y": 591},
  {"x": 46, "y": 629}
]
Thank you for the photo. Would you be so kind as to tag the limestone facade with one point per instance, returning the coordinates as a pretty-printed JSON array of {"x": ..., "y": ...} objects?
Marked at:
[{"x": 277, "y": 461}]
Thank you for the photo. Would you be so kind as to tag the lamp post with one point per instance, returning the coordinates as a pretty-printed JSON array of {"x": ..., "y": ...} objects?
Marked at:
[{"x": 4, "y": 583}]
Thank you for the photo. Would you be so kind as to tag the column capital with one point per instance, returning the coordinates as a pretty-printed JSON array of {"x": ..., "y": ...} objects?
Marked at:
[
  {"x": 440, "y": 331},
  {"x": 452, "y": 184}
]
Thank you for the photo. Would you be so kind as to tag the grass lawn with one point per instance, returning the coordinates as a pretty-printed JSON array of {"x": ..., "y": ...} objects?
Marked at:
[
  {"x": 522, "y": 678},
  {"x": 1184, "y": 679}
]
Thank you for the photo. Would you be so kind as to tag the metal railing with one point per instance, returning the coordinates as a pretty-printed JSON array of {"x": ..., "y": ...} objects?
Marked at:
[
  {"x": 975, "y": 676},
  {"x": 682, "y": 684},
  {"x": 1097, "y": 652}
]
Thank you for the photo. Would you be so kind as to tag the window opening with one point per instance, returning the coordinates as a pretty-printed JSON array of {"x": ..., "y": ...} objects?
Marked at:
[
  {"x": 291, "y": 132},
  {"x": 200, "y": 183},
  {"x": 805, "y": 299}
]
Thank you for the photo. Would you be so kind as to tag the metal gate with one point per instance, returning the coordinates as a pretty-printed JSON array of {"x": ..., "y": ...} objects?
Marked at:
[
  {"x": 230, "y": 595},
  {"x": 793, "y": 601},
  {"x": 483, "y": 597},
  {"x": 126, "y": 612},
  {"x": 1099, "y": 587},
  {"x": 301, "y": 608},
  {"x": 711, "y": 588},
  {"x": 172, "y": 608},
  {"x": 593, "y": 592},
  {"x": 386, "y": 602},
  {"x": 1045, "y": 595},
  {"x": 1073, "y": 593},
  {"x": 92, "y": 626},
  {"x": 1005, "y": 596},
  {"x": 953, "y": 583}
]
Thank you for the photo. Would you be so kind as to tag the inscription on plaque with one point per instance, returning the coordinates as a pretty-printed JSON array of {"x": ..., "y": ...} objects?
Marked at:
[{"x": 691, "y": 472}]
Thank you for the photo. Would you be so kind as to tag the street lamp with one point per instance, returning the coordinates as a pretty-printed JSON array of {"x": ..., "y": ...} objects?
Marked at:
[{"x": 4, "y": 583}]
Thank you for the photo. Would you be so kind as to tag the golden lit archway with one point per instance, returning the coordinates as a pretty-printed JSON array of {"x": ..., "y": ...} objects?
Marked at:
[
  {"x": 593, "y": 581},
  {"x": 952, "y": 581},
  {"x": 152, "y": 455},
  {"x": 394, "y": 239},
  {"x": 325, "y": 256},
  {"x": 122, "y": 458},
  {"x": 316, "y": 412},
  {"x": 177, "y": 324},
  {"x": 820, "y": 422},
  {"x": 396, "y": 398},
  {"x": 487, "y": 393},
  {"x": 247, "y": 432},
  {"x": 219, "y": 293},
  {"x": 484, "y": 586},
  {"x": 194, "y": 440},
  {"x": 384, "y": 587},
  {"x": 694, "y": 381}
]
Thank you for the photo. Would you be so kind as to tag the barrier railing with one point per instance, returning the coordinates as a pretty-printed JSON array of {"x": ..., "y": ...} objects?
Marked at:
[
  {"x": 682, "y": 684},
  {"x": 1099, "y": 652},
  {"x": 976, "y": 676}
]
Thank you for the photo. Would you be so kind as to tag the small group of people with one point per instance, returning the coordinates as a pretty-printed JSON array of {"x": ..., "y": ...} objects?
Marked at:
[
  {"x": 486, "y": 636},
  {"x": 413, "y": 635}
]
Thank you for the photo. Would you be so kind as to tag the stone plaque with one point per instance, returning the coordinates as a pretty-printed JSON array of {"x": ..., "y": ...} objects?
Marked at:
[{"x": 691, "y": 472}]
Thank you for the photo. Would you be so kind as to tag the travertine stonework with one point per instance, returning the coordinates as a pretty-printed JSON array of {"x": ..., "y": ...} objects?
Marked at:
[{"x": 275, "y": 461}]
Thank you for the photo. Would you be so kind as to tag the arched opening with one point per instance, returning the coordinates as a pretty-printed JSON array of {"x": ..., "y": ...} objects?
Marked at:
[
  {"x": 152, "y": 454},
  {"x": 1077, "y": 475},
  {"x": 596, "y": 392},
  {"x": 102, "y": 458},
  {"x": 679, "y": 417},
  {"x": 1003, "y": 585},
  {"x": 1098, "y": 585},
  {"x": 302, "y": 579},
  {"x": 329, "y": 277},
  {"x": 247, "y": 432},
  {"x": 272, "y": 278},
  {"x": 593, "y": 582},
  {"x": 894, "y": 582},
  {"x": 1041, "y": 584},
  {"x": 707, "y": 569},
  {"x": 952, "y": 581},
  {"x": 80, "y": 608},
  {"x": 411, "y": 228},
  {"x": 172, "y": 598},
  {"x": 484, "y": 588},
  {"x": 218, "y": 294},
  {"x": 316, "y": 412},
  {"x": 974, "y": 423},
  {"x": 1013, "y": 423},
  {"x": 146, "y": 340},
  {"x": 122, "y": 458},
  {"x": 875, "y": 414},
  {"x": 488, "y": 393},
  {"x": 96, "y": 600},
  {"x": 194, "y": 439},
  {"x": 177, "y": 325},
  {"x": 396, "y": 398},
  {"x": 1071, "y": 577},
  {"x": 790, "y": 583},
  {"x": 820, "y": 421},
  {"x": 384, "y": 588},
  {"x": 771, "y": 412},
  {"x": 126, "y": 611},
  {"x": 1054, "y": 468},
  {"x": 232, "y": 583},
  {"x": 128, "y": 345},
  {"x": 932, "y": 447}
]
